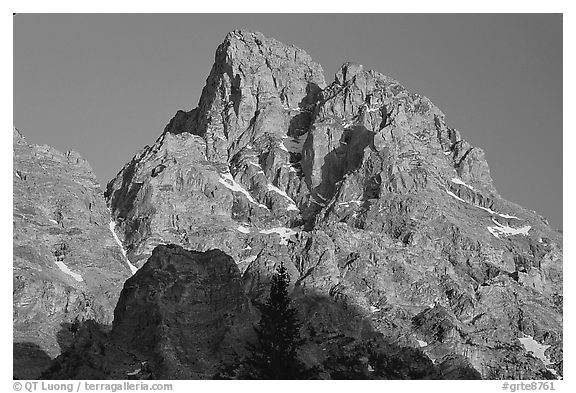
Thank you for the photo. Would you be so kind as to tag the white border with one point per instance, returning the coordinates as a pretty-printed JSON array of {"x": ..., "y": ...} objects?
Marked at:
[{"x": 298, "y": 6}]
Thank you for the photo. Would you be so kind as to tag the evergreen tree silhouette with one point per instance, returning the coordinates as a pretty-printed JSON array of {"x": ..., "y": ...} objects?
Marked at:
[{"x": 274, "y": 354}]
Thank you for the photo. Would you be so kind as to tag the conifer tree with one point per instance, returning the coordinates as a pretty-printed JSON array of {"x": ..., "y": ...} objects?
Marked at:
[{"x": 274, "y": 354}]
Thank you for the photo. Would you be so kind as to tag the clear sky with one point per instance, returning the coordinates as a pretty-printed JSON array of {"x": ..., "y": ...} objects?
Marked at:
[{"x": 106, "y": 85}]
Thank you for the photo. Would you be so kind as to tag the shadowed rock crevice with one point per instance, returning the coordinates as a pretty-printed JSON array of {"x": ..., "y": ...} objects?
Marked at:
[{"x": 127, "y": 193}]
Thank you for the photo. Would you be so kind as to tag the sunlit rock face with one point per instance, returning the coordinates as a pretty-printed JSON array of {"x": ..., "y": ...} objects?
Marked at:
[
  {"x": 386, "y": 218},
  {"x": 67, "y": 266}
]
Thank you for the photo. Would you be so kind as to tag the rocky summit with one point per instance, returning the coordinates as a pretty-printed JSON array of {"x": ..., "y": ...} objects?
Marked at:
[
  {"x": 67, "y": 265},
  {"x": 387, "y": 220}
]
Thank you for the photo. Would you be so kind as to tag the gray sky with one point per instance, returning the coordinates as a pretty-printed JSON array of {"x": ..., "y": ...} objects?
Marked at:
[{"x": 106, "y": 85}]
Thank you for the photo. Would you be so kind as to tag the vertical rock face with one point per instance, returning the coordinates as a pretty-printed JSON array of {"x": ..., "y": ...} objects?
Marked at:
[
  {"x": 183, "y": 315},
  {"x": 253, "y": 85},
  {"x": 67, "y": 265},
  {"x": 234, "y": 159},
  {"x": 367, "y": 195},
  {"x": 184, "y": 310}
]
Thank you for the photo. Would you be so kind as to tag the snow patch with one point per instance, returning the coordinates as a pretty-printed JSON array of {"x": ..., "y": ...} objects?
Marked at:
[
  {"x": 537, "y": 349},
  {"x": 481, "y": 207},
  {"x": 247, "y": 248},
  {"x": 504, "y": 230},
  {"x": 297, "y": 109},
  {"x": 313, "y": 200},
  {"x": 53, "y": 221},
  {"x": 422, "y": 343},
  {"x": 243, "y": 229},
  {"x": 456, "y": 196},
  {"x": 228, "y": 181},
  {"x": 17, "y": 175},
  {"x": 496, "y": 213},
  {"x": 459, "y": 181},
  {"x": 62, "y": 266},
  {"x": 134, "y": 372},
  {"x": 356, "y": 201},
  {"x": 322, "y": 201},
  {"x": 507, "y": 216},
  {"x": 292, "y": 205},
  {"x": 112, "y": 227},
  {"x": 447, "y": 153},
  {"x": 374, "y": 309},
  {"x": 283, "y": 232},
  {"x": 493, "y": 232},
  {"x": 250, "y": 259}
]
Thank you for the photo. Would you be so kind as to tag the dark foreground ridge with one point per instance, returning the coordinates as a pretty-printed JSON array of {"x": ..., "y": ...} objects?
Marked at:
[
  {"x": 184, "y": 316},
  {"x": 405, "y": 261}
]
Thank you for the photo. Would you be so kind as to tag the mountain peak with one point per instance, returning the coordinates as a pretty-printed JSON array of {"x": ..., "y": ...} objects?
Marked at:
[
  {"x": 252, "y": 77},
  {"x": 244, "y": 35},
  {"x": 348, "y": 71},
  {"x": 360, "y": 188}
]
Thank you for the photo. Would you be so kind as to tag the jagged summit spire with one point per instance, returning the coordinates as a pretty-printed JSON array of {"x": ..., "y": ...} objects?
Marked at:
[
  {"x": 253, "y": 78},
  {"x": 243, "y": 34},
  {"x": 348, "y": 71}
]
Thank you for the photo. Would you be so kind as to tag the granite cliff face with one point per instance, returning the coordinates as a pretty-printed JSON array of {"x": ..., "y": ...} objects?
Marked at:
[
  {"x": 191, "y": 186},
  {"x": 369, "y": 197},
  {"x": 67, "y": 266},
  {"x": 388, "y": 221}
]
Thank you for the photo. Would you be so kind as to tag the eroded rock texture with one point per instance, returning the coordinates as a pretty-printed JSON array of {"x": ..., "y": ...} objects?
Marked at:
[{"x": 67, "y": 266}]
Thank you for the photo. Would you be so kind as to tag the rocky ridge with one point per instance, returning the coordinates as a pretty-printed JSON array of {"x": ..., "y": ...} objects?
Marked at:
[{"x": 67, "y": 267}]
